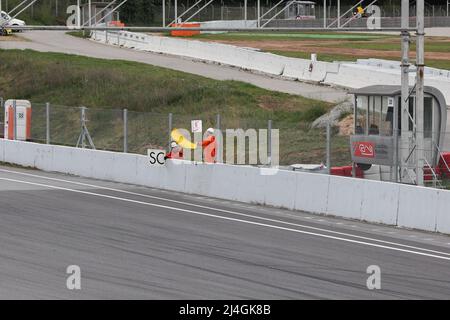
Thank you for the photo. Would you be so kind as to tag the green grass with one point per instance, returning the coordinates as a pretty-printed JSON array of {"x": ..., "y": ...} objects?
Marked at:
[
  {"x": 440, "y": 64},
  {"x": 150, "y": 93},
  {"x": 391, "y": 45},
  {"x": 264, "y": 36},
  {"x": 79, "y": 34}
]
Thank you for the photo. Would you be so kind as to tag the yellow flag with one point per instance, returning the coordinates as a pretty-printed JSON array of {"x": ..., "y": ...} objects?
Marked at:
[{"x": 181, "y": 140}]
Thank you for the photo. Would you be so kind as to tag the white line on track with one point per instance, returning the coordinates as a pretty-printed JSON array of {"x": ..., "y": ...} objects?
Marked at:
[
  {"x": 233, "y": 219},
  {"x": 226, "y": 211}
]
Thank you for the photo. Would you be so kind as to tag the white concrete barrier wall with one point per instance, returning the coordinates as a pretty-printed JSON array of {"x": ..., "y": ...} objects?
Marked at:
[
  {"x": 366, "y": 200},
  {"x": 344, "y": 74}
]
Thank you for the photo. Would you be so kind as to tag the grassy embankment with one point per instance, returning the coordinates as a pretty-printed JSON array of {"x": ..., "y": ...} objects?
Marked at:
[{"x": 150, "y": 93}]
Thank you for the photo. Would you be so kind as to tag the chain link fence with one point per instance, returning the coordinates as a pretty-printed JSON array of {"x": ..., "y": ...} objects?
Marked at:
[
  {"x": 136, "y": 132},
  {"x": 293, "y": 143}
]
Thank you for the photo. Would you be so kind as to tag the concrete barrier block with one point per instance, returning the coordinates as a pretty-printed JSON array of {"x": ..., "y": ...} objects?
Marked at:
[
  {"x": 199, "y": 177},
  {"x": 2, "y": 150},
  {"x": 27, "y": 154},
  {"x": 172, "y": 175},
  {"x": 281, "y": 189},
  {"x": 345, "y": 197},
  {"x": 124, "y": 168},
  {"x": 102, "y": 164},
  {"x": 265, "y": 62},
  {"x": 443, "y": 212},
  {"x": 294, "y": 68},
  {"x": 147, "y": 174},
  {"x": 316, "y": 74},
  {"x": 239, "y": 183},
  {"x": 380, "y": 202},
  {"x": 75, "y": 161},
  {"x": 311, "y": 192},
  {"x": 418, "y": 207}
]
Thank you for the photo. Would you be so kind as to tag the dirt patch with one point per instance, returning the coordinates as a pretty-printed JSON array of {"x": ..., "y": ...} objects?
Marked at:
[
  {"x": 346, "y": 126},
  {"x": 11, "y": 38},
  {"x": 272, "y": 103},
  {"x": 316, "y": 46}
]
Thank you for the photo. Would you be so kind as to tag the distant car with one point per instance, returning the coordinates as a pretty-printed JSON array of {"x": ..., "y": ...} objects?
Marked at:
[{"x": 6, "y": 19}]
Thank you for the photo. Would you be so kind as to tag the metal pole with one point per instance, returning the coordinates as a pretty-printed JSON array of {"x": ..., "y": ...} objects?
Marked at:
[
  {"x": 83, "y": 125},
  {"x": 112, "y": 11},
  {"x": 176, "y": 11},
  {"x": 219, "y": 140},
  {"x": 395, "y": 135},
  {"x": 269, "y": 142},
  {"x": 78, "y": 14},
  {"x": 125, "y": 130},
  {"x": 17, "y": 7},
  {"x": 259, "y": 13},
  {"x": 15, "y": 119},
  {"x": 338, "y": 13},
  {"x": 96, "y": 14},
  {"x": 245, "y": 11},
  {"x": 47, "y": 123},
  {"x": 420, "y": 64},
  {"x": 324, "y": 14},
  {"x": 328, "y": 164},
  {"x": 163, "y": 13},
  {"x": 170, "y": 128},
  {"x": 186, "y": 11},
  {"x": 90, "y": 13},
  {"x": 405, "y": 85}
]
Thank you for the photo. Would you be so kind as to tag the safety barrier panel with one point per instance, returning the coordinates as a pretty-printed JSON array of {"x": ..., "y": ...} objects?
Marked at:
[
  {"x": 366, "y": 200},
  {"x": 344, "y": 74}
]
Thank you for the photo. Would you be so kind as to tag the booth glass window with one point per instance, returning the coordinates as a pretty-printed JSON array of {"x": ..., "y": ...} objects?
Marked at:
[
  {"x": 428, "y": 117},
  {"x": 387, "y": 112},
  {"x": 361, "y": 115},
  {"x": 374, "y": 115},
  {"x": 411, "y": 113}
]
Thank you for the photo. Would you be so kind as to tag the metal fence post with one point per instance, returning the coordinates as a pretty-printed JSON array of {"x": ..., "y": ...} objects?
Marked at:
[
  {"x": 15, "y": 118},
  {"x": 47, "y": 123},
  {"x": 1, "y": 108},
  {"x": 170, "y": 128},
  {"x": 220, "y": 140},
  {"x": 328, "y": 147},
  {"x": 269, "y": 142},
  {"x": 83, "y": 124},
  {"x": 125, "y": 130}
]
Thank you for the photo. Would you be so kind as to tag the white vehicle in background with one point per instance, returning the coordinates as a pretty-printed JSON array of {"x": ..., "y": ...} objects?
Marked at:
[{"x": 6, "y": 19}]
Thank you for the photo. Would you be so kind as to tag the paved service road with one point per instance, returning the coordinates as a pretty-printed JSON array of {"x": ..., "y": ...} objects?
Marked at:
[
  {"x": 135, "y": 242},
  {"x": 59, "y": 41}
]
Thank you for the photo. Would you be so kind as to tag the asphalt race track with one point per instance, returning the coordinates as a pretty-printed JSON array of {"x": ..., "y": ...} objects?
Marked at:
[{"x": 139, "y": 243}]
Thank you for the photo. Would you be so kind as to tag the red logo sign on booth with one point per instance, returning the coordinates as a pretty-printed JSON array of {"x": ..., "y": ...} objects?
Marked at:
[{"x": 364, "y": 149}]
